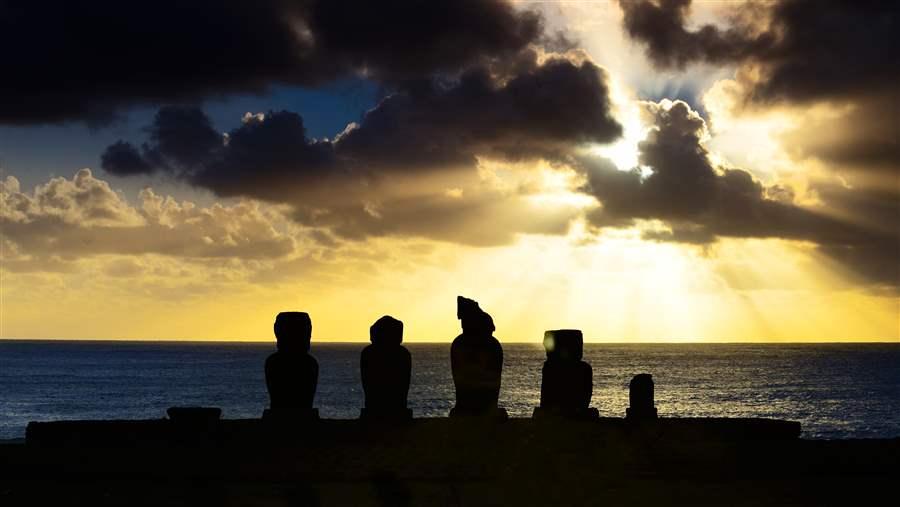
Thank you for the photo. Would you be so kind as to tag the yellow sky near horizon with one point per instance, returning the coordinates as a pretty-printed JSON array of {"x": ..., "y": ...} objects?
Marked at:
[{"x": 617, "y": 289}]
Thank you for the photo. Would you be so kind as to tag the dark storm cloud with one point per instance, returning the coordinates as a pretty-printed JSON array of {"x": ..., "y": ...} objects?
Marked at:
[
  {"x": 846, "y": 52},
  {"x": 87, "y": 60},
  {"x": 408, "y": 167},
  {"x": 809, "y": 50},
  {"x": 684, "y": 184},
  {"x": 864, "y": 138},
  {"x": 263, "y": 158},
  {"x": 660, "y": 26},
  {"x": 797, "y": 52},
  {"x": 842, "y": 48},
  {"x": 701, "y": 202},
  {"x": 545, "y": 111},
  {"x": 684, "y": 187},
  {"x": 182, "y": 136},
  {"x": 124, "y": 159},
  {"x": 397, "y": 40},
  {"x": 259, "y": 159}
]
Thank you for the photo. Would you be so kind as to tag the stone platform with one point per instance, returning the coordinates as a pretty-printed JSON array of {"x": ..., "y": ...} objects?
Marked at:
[{"x": 443, "y": 462}]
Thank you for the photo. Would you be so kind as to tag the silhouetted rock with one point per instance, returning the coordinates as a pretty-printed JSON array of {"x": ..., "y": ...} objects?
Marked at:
[
  {"x": 566, "y": 381},
  {"x": 386, "y": 366},
  {"x": 476, "y": 359},
  {"x": 291, "y": 372},
  {"x": 640, "y": 398}
]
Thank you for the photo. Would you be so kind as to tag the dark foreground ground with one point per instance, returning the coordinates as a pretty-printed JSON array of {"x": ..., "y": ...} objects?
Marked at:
[{"x": 444, "y": 462}]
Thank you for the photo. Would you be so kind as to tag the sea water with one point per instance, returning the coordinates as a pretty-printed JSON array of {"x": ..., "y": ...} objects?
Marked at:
[{"x": 834, "y": 390}]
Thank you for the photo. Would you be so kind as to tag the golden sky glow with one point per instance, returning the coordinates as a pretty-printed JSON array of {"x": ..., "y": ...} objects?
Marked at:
[
  {"x": 209, "y": 268},
  {"x": 617, "y": 288}
]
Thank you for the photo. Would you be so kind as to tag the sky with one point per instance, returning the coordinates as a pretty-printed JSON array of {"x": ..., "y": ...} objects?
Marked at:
[{"x": 645, "y": 171}]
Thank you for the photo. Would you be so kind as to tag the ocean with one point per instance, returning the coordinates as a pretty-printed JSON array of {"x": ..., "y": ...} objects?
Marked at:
[{"x": 834, "y": 390}]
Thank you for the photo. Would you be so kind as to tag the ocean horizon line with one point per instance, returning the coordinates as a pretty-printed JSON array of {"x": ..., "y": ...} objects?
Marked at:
[{"x": 416, "y": 342}]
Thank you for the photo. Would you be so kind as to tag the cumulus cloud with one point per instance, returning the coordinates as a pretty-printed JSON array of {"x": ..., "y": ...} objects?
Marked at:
[
  {"x": 793, "y": 53},
  {"x": 684, "y": 185},
  {"x": 78, "y": 217},
  {"x": 410, "y": 166},
  {"x": 661, "y": 27},
  {"x": 269, "y": 156},
  {"x": 82, "y": 201},
  {"x": 800, "y": 49},
  {"x": 790, "y": 55},
  {"x": 112, "y": 55},
  {"x": 701, "y": 201},
  {"x": 544, "y": 110}
]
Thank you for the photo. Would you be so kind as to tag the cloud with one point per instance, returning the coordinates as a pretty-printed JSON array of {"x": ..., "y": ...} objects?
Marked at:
[
  {"x": 71, "y": 219},
  {"x": 482, "y": 215},
  {"x": 793, "y": 50},
  {"x": 269, "y": 156},
  {"x": 874, "y": 238},
  {"x": 833, "y": 68},
  {"x": 684, "y": 185},
  {"x": 544, "y": 110},
  {"x": 660, "y": 26},
  {"x": 83, "y": 201},
  {"x": 410, "y": 166},
  {"x": 124, "y": 159},
  {"x": 111, "y": 55},
  {"x": 860, "y": 140},
  {"x": 701, "y": 201},
  {"x": 123, "y": 268}
]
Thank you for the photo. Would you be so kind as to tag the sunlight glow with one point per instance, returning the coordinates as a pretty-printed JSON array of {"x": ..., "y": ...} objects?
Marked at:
[{"x": 624, "y": 152}]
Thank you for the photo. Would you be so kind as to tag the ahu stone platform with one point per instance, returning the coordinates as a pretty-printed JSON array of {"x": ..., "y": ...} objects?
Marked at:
[
  {"x": 439, "y": 461},
  {"x": 255, "y": 432}
]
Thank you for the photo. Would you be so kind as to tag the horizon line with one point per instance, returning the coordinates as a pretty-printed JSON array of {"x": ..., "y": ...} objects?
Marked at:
[{"x": 537, "y": 342}]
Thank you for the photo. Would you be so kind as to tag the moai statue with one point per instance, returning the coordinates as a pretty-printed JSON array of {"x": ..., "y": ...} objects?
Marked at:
[
  {"x": 476, "y": 359},
  {"x": 566, "y": 380},
  {"x": 291, "y": 372},
  {"x": 386, "y": 366},
  {"x": 640, "y": 398}
]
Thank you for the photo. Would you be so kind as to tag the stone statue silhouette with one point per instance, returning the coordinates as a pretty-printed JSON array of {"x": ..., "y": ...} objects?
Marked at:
[
  {"x": 640, "y": 398},
  {"x": 476, "y": 360},
  {"x": 385, "y": 366},
  {"x": 291, "y": 372},
  {"x": 566, "y": 380}
]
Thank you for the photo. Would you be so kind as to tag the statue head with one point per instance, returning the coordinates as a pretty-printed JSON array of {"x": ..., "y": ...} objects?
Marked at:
[
  {"x": 566, "y": 344},
  {"x": 386, "y": 331},
  {"x": 474, "y": 320},
  {"x": 293, "y": 331}
]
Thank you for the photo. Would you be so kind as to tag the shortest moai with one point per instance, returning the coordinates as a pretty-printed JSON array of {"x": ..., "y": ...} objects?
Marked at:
[
  {"x": 566, "y": 381},
  {"x": 640, "y": 398},
  {"x": 291, "y": 372},
  {"x": 385, "y": 367}
]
